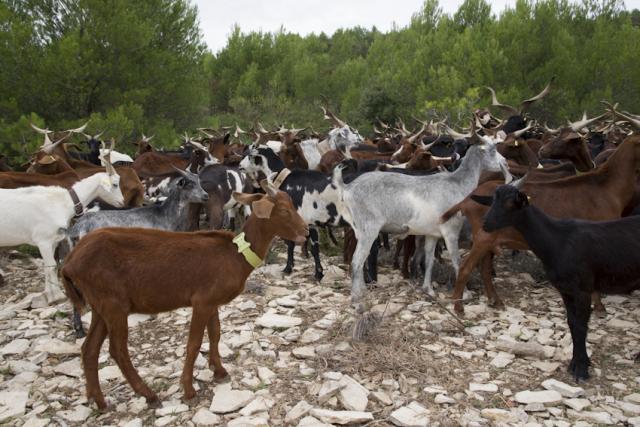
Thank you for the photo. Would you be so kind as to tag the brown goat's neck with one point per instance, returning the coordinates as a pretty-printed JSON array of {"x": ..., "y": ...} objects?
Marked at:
[
  {"x": 258, "y": 236},
  {"x": 620, "y": 168}
]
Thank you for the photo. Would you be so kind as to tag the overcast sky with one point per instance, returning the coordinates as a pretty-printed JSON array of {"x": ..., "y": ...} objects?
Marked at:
[{"x": 314, "y": 16}]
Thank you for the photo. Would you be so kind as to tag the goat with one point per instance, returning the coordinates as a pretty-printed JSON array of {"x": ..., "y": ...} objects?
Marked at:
[
  {"x": 170, "y": 216},
  {"x": 579, "y": 257},
  {"x": 153, "y": 271},
  {"x": 411, "y": 205},
  {"x": 601, "y": 194},
  {"x": 40, "y": 215},
  {"x": 313, "y": 196},
  {"x": 220, "y": 182},
  {"x": 568, "y": 145}
]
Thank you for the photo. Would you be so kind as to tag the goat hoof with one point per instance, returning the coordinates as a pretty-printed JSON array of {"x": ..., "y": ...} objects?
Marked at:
[
  {"x": 189, "y": 395},
  {"x": 80, "y": 333},
  {"x": 458, "y": 308},
  {"x": 637, "y": 358},
  {"x": 601, "y": 313},
  {"x": 100, "y": 403},
  {"x": 221, "y": 374},
  {"x": 579, "y": 370},
  {"x": 497, "y": 304},
  {"x": 153, "y": 402},
  {"x": 287, "y": 269},
  {"x": 319, "y": 275}
]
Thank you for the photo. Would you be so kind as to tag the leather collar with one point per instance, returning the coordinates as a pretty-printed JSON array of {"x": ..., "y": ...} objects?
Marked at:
[
  {"x": 77, "y": 204},
  {"x": 282, "y": 175},
  {"x": 244, "y": 248}
]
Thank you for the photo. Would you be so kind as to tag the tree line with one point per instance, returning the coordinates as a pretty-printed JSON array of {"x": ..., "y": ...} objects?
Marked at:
[{"x": 134, "y": 67}]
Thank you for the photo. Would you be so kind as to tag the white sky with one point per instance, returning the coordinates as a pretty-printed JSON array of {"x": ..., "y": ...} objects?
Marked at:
[{"x": 314, "y": 16}]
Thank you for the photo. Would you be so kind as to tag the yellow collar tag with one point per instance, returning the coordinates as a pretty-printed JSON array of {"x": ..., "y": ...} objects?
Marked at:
[{"x": 244, "y": 248}]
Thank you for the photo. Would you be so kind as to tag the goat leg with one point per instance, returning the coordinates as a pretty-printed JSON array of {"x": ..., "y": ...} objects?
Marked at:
[
  {"x": 578, "y": 309},
  {"x": 486, "y": 267},
  {"x": 385, "y": 241},
  {"x": 199, "y": 321},
  {"x": 468, "y": 264},
  {"x": 315, "y": 251},
  {"x": 371, "y": 271},
  {"x": 76, "y": 321},
  {"x": 118, "y": 336},
  {"x": 290, "y": 247},
  {"x": 215, "y": 362},
  {"x": 90, "y": 353},
  {"x": 396, "y": 255}
]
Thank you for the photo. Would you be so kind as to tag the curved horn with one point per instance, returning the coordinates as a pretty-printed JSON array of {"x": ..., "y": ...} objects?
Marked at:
[
  {"x": 551, "y": 131},
  {"x": 521, "y": 132},
  {"x": 454, "y": 134},
  {"x": 49, "y": 146},
  {"x": 494, "y": 102},
  {"x": 78, "y": 130},
  {"x": 202, "y": 130},
  {"x": 42, "y": 131},
  {"x": 328, "y": 115},
  {"x": 584, "y": 122},
  {"x": 238, "y": 132},
  {"x": 412, "y": 138},
  {"x": 269, "y": 188},
  {"x": 261, "y": 129},
  {"x": 107, "y": 159},
  {"x": 524, "y": 105},
  {"x": 520, "y": 182}
]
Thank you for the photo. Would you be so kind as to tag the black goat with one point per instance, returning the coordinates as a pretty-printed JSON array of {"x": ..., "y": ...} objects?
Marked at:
[{"x": 579, "y": 257}]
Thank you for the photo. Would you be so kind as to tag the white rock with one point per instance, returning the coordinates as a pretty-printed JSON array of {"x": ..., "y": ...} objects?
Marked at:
[
  {"x": 76, "y": 415},
  {"x": 266, "y": 375},
  {"x": 55, "y": 346},
  {"x": 258, "y": 405},
  {"x": 412, "y": 415},
  {"x": 271, "y": 320},
  {"x": 328, "y": 389},
  {"x": 110, "y": 372},
  {"x": 382, "y": 397},
  {"x": 488, "y": 388},
  {"x": 171, "y": 410},
  {"x": 136, "y": 422},
  {"x": 352, "y": 395},
  {"x": 134, "y": 320},
  {"x": 547, "y": 367},
  {"x": 164, "y": 421},
  {"x": 287, "y": 301},
  {"x": 71, "y": 368},
  {"x": 564, "y": 389},
  {"x": 547, "y": 397},
  {"x": 248, "y": 422},
  {"x": 499, "y": 415},
  {"x": 301, "y": 409},
  {"x": 12, "y": 404},
  {"x": 246, "y": 305},
  {"x": 592, "y": 417},
  {"x": 442, "y": 399},
  {"x": 20, "y": 366},
  {"x": 204, "y": 417},
  {"x": 633, "y": 398},
  {"x": 502, "y": 359},
  {"x": 622, "y": 324},
  {"x": 341, "y": 417},
  {"x": 577, "y": 404},
  {"x": 520, "y": 348},
  {"x": 18, "y": 346},
  {"x": 312, "y": 422},
  {"x": 306, "y": 352},
  {"x": 226, "y": 400},
  {"x": 40, "y": 422},
  {"x": 311, "y": 335},
  {"x": 629, "y": 409},
  {"x": 240, "y": 340}
]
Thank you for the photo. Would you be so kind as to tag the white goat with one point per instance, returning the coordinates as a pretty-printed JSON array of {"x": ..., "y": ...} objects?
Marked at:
[{"x": 39, "y": 216}]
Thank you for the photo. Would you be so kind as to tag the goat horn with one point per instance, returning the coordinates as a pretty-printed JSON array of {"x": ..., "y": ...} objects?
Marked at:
[
  {"x": 412, "y": 138},
  {"x": 454, "y": 134},
  {"x": 42, "y": 131},
  {"x": 208, "y": 135},
  {"x": 584, "y": 122},
  {"x": 635, "y": 122},
  {"x": 107, "y": 159},
  {"x": 520, "y": 182},
  {"x": 494, "y": 102},
  {"x": 328, "y": 115},
  {"x": 524, "y": 105},
  {"x": 551, "y": 131},
  {"x": 521, "y": 132},
  {"x": 269, "y": 188},
  {"x": 78, "y": 130},
  {"x": 196, "y": 145},
  {"x": 49, "y": 146}
]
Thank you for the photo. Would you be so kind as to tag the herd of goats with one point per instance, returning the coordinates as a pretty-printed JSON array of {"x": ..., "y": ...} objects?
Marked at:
[{"x": 120, "y": 233}]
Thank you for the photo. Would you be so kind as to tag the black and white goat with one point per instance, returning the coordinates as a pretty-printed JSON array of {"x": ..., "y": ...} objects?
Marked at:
[
  {"x": 579, "y": 257},
  {"x": 313, "y": 195}
]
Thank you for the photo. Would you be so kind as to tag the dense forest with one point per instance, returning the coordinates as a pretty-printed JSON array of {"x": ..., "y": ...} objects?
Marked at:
[{"x": 134, "y": 67}]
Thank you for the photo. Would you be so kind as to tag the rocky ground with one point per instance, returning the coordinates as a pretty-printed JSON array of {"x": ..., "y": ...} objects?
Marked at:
[{"x": 287, "y": 345}]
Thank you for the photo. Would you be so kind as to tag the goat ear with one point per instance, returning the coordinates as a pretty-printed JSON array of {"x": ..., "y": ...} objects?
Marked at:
[
  {"x": 483, "y": 200},
  {"x": 262, "y": 208},
  {"x": 246, "y": 199},
  {"x": 226, "y": 139}
]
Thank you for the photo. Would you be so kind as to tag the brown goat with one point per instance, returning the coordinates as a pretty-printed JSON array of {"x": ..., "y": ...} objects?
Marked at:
[
  {"x": 132, "y": 188},
  {"x": 25, "y": 179},
  {"x": 568, "y": 145},
  {"x": 203, "y": 270},
  {"x": 601, "y": 194}
]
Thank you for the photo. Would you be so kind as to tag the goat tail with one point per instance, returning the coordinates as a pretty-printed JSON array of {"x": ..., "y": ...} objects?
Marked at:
[
  {"x": 451, "y": 212},
  {"x": 73, "y": 293}
]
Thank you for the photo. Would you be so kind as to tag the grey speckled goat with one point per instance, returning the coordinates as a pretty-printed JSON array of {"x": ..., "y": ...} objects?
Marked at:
[
  {"x": 171, "y": 215},
  {"x": 412, "y": 205}
]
